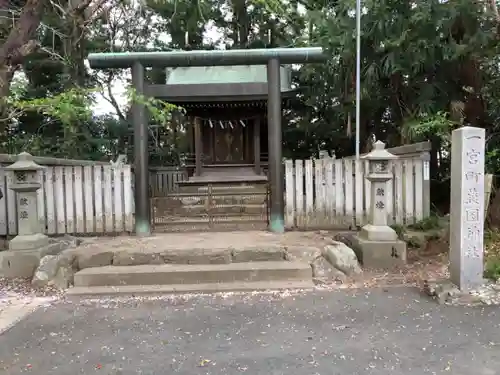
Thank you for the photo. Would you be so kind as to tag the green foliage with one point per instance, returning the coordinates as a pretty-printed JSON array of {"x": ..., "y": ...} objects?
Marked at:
[
  {"x": 68, "y": 107},
  {"x": 159, "y": 110},
  {"x": 492, "y": 161},
  {"x": 429, "y": 223},
  {"x": 399, "y": 229},
  {"x": 492, "y": 269},
  {"x": 427, "y": 68},
  {"x": 423, "y": 126},
  {"x": 414, "y": 64},
  {"x": 492, "y": 254},
  {"x": 413, "y": 243}
]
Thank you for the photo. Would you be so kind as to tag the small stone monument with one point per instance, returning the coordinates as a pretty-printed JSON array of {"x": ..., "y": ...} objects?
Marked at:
[
  {"x": 377, "y": 245},
  {"x": 467, "y": 207},
  {"x": 30, "y": 245},
  {"x": 29, "y": 234}
]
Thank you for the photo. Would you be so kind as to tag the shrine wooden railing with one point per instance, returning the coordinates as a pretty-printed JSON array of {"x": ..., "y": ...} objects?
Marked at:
[{"x": 164, "y": 180}]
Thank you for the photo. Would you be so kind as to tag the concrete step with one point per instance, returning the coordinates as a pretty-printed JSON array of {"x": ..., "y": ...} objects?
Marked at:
[
  {"x": 173, "y": 274},
  {"x": 141, "y": 290}
]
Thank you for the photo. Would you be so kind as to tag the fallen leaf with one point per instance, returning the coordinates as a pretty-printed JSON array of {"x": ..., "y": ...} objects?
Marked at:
[{"x": 204, "y": 362}]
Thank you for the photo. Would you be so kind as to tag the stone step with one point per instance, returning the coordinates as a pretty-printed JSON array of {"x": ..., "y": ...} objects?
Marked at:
[
  {"x": 173, "y": 274},
  {"x": 141, "y": 290}
]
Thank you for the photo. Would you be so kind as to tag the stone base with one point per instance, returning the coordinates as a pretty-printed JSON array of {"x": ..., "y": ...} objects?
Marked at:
[
  {"x": 445, "y": 292},
  {"x": 378, "y": 233},
  {"x": 29, "y": 242},
  {"x": 379, "y": 254},
  {"x": 23, "y": 263}
]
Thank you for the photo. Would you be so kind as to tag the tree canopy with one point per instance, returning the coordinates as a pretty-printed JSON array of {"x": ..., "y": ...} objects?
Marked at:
[{"x": 427, "y": 67}]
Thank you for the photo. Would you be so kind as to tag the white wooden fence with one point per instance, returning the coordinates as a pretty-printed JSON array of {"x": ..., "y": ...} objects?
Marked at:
[
  {"x": 328, "y": 193},
  {"x": 89, "y": 199},
  {"x": 325, "y": 193}
]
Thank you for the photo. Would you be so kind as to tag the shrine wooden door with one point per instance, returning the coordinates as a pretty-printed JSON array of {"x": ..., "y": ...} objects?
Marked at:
[{"x": 229, "y": 144}]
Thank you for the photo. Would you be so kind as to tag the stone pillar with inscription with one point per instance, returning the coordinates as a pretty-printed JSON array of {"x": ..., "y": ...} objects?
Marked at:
[
  {"x": 467, "y": 207},
  {"x": 377, "y": 245},
  {"x": 26, "y": 183}
]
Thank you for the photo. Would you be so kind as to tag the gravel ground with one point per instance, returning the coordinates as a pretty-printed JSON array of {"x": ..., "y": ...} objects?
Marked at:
[
  {"x": 19, "y": 299},
  {"x": 22, "y": 287},
  {"x": 20, "y": 291},
  {"x": 380, "y": 331}
]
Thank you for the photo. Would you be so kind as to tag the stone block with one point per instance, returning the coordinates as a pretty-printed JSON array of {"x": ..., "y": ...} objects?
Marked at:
[
  {"x": 18, "y": 263},
  {"x": 378, "y": 233},
  {"x": 52, "y": 249},
  {"x": 128, "y": 258},
  {"x": 46, "y": 270},
  {"x": 442, "y": 290},
  {"x": 71, "y": 241},
  {"x": 304, "y": 253},
  {"x": 343, "y": 258},
  {"x": 325, "y": 273},
  {"x": 64, "y": 277},
  {"x": 380, "y": 254},
  {"x": 29, "y": 242},
  {"x": 171, "y": 274},
  {"x": 95, "y": 259},
  {"x": 23, "y": 263},
  {"x": 197, "y": 256},
  {"x": 55, "y": 270},
  {"x": 258, "y": 254},
  {"x": 67, "y": 259},
  {"x": 345, "y": 238}
]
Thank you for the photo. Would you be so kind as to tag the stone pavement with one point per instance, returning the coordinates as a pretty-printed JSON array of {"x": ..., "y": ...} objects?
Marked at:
[
  {"x": 203, "y": 240},
  {"x": 382, "y": 331}
]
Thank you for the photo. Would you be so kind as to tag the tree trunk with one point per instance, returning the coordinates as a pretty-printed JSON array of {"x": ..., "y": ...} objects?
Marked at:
[
  {"x": 17, "y": 45},
  {"x": 240, "y": 23},
  {"x": 470, "y": 75}
]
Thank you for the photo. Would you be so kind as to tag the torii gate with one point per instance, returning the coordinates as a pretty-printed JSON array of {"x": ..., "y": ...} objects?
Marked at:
[{"x": 271, "y": 57}]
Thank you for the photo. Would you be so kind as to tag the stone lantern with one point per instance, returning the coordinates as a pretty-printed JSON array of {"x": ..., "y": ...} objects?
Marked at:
[
  {"x": 379, "y": 174},
  {"x": 25, "y": 185},
  {"x": 377, "y": 244}
]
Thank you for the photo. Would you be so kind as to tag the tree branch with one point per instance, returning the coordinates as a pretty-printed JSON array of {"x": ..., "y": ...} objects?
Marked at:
[
  {"x": 17, "y": 43},
  {"x": 111, "y": 98},
  {"x": 494, "y": 8}
]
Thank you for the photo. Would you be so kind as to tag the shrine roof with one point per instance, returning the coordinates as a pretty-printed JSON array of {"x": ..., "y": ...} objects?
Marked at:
[
  {"x": 204, "y": 75},
  {"x": 219, "y": 83}
]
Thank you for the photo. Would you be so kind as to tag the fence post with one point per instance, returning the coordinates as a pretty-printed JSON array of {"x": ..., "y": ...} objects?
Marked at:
[
  {"x": 426, "y": 194},
  {"x": 26, "y": 184}
]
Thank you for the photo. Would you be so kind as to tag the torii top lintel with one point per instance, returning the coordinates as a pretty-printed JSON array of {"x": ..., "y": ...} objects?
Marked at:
[{"x": 207, "y": 58}]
